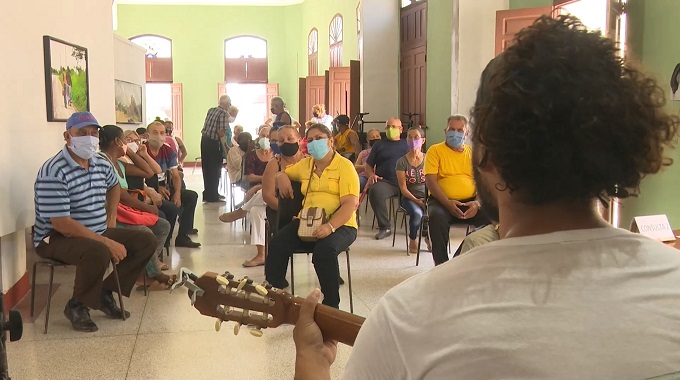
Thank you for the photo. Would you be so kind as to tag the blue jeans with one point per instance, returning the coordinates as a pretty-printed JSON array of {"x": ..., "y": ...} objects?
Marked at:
[
  {"x": 362, "y": 183},
  {"x": 415, "y": 213}
]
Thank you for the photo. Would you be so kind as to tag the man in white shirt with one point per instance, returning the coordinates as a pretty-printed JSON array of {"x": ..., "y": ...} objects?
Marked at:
[{"x": 563, "y": 295}]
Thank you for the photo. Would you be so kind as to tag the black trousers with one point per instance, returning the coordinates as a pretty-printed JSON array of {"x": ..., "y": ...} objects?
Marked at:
[
  {"x": 440, "y": 223},
  {"x": 324, "y": 257},
  {"x": 185, "y": 213},
  {"x": 378, "y": 194},
  {"x": 211, "y": 164}
]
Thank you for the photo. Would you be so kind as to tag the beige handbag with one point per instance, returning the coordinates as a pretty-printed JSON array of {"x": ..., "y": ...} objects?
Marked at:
[{"x": 311, "y": 218}]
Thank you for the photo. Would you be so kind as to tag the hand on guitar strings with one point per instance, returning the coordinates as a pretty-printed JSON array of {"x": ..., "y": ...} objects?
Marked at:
[{"x": 314, "y": 355}]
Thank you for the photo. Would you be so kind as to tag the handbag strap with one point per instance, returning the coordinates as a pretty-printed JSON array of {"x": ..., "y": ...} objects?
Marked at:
[{"x": 311, "y": 175}]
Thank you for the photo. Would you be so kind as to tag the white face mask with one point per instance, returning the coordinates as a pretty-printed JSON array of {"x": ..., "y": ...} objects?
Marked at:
[
  {"x": 133, "y": 146},
  {"x": 231, "y": 119},
  {"x": 84, "y": 146}
]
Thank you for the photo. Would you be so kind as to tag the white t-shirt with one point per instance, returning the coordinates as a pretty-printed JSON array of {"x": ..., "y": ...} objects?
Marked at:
[
  {"x": 585, "y": 304},
  {"x": 326, "y": 120}
]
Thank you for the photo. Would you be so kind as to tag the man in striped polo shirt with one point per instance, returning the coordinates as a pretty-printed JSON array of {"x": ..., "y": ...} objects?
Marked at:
[{"x": 76, "y": 198}]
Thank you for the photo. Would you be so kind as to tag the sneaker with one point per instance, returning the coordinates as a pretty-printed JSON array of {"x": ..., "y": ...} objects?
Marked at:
[
  {"x": 383, "y": 234},
  {"x": 185, "y": 241},
  {"x": 109, "y": 307},
  {"x": 80, "y": 319}
]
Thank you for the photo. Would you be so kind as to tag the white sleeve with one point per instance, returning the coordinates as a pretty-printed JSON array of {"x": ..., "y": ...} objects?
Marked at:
[{"x": 376, "y": 355}]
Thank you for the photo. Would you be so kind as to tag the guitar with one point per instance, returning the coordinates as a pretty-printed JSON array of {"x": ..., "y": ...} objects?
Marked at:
[{"x": 260, "y": 306}]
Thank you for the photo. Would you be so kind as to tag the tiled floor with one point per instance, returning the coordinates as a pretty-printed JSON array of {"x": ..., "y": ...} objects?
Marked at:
[{"x": 166, "y": 338}]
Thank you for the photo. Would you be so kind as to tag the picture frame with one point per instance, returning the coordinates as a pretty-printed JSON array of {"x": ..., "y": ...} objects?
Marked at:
[
  {"x": 128, "y": 102},
  {"x": 66, "y": 78}
]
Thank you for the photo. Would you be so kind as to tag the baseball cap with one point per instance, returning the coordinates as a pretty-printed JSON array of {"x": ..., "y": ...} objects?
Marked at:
[
  {"x": 342, "y": 120},
  {"x": 81, "y": 119}
]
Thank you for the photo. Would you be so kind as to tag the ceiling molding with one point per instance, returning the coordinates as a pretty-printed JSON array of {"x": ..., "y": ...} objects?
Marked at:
[{"x": 260, "y": 3}]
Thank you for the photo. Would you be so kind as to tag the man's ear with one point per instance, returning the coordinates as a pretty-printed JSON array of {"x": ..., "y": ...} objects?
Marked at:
[{"x": 66, "y": 136}]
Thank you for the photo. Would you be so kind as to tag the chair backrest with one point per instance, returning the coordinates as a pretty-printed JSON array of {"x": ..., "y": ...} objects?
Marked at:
[
  {"x": 289, "y": 208},
  {"x": 243, "y": 181}
]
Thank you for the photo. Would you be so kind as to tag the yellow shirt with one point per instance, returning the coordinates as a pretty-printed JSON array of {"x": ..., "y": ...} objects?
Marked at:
[
  {"x": 453, "y": 170},
  {"x": 337, "y": 180},
  {"x": 342, "y": 142}
]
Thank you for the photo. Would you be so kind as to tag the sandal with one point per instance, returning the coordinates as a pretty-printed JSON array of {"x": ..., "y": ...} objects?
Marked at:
[
  {"x": 165, "y": 280},
  {"x": 252, "y": 264}
]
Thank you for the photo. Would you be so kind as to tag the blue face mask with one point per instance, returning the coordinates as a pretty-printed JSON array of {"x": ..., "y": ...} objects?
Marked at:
[
  {"x": 455, "y": 139},
  {"x": 263, "y": 143},
  {"x": 276, "y": 149},
  {"x": 318, "y": 148}
]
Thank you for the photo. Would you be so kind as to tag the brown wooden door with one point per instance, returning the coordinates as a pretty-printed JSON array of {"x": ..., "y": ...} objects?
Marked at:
[
  {"x": 177, "y": 110},
  {"x": 158, "y": 70},
  {"x": 354, "y": 84},
  {"x": 339, "y": 90},
  {"x": 510, "y": 22},
  {"x": 302, "y": 100},
  {"x": 316, "y": 94},
  {"x": 272, "y": 91},
  {"x": 327, "y": 97},
  {"x": 413, "y": 83},
  {"x": 413, "y": 66},
  {"x": 221, "y": 90}
]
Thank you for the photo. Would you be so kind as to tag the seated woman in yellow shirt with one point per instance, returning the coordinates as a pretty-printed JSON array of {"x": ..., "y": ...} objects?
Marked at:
[
  {"x": 345, "y": 139},
  {"x": 328, "y": 181}
]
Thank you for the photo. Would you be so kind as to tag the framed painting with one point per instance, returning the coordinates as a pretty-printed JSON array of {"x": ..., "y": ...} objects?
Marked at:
[
  {"x": 128, "y": 103},
  {"x": 66, "y": 79}
]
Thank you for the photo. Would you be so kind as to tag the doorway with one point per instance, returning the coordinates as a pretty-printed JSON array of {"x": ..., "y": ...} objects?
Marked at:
[
  {"x": 251, "y": 101},
  {"x": 158, "y": 101},
  {"x": 413, "y": 64}
]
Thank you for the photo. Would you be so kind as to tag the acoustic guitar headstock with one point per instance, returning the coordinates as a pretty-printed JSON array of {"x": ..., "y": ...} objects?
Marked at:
[{"x": 243, "y": 301}]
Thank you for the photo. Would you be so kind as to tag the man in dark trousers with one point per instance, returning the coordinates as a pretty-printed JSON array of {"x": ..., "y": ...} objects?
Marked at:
[{"x": 215, "y": 133}]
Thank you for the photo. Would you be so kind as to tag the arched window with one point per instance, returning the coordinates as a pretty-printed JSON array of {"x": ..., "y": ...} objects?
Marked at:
[
  {"x": 360, "y": 39},
  {"x": 335, "y": 40},
  {"x": 245, "y": 60},
  {"x": 158, "y": 57},
  {"x": 313, "y": 52}
]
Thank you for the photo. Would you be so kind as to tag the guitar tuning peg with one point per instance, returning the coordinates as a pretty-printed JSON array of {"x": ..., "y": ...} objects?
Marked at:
[
  {"x": 242, "y": 284},
  {"x": 226, "y": 273},
  {"x": 250, "y": 281},
  {"x": 222, "y": 280},
  {"x": 237, "y": 328},
  {"x": 256, "y": 332},
  {"x": 218, "y": 324},
  {"x": 261, "y": 290},
  {"x": 230, "y": 276}
]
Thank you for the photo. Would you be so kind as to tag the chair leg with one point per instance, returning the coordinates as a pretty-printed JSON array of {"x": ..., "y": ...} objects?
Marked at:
[
  {"x": 144, "y": 284},
  {"x": 420, "y": 237},
  {"x": 349, "y": 283},
  {"x": 394, "y": 230},
  {"x": 292, "y": 275},
  {"x": 49, "y": 298},
  {"x": 33, "y": 288},
  {"x": 403, "y": 221},
  {"x": 120, "y": 293}
]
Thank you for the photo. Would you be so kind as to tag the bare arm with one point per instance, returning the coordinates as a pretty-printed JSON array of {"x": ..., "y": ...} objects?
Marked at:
[
  {"x": 70, "y": 228},
  {"x": 112, "y": 199},
  {"x": 182, "y": 150},
  {"x": 254, "y": 178},
  {"x": 405, "y": 192},
  {"x": 269, "y": 185},
  {"x": 348, "y": 204},
  {"x": 354, "y": 139},
  {"x": 143, "y": 152},
  {"x": 139, "y": 168},
  {"x": 438, "y": 194}
]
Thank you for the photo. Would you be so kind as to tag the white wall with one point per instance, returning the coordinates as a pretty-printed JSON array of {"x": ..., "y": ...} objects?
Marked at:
[
  {"x": 129, "y": 66},
  {"x": 29, "y": 138},
  {"x": 380, "y": 63},
  {"x": 475, "y": 48}
]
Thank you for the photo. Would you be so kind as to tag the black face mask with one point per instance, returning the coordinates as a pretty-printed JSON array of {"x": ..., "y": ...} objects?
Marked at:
[
  {"x": 289, "y": 149},
  {"x": 372, "y": 142},
  {"x": 244, "y": 146},
  {"x": 316, "y": 114}
]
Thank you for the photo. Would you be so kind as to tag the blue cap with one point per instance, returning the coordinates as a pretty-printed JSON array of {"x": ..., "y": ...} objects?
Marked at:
[{"x": 81, "y": 119}]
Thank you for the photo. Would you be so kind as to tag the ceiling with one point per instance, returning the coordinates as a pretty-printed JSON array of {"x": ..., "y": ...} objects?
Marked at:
[{"x": 213, "y": 2}]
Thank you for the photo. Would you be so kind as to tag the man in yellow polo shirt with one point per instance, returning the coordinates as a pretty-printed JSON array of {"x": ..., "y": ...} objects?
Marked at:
[
  {"x": 449, "y": 178},
  {"x": 346, "y": 139}
]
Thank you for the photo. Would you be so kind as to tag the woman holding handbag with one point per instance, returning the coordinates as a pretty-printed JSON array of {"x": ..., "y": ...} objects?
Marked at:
[
  {"x": 327, "y": 223},
  {"x": 133, "y": 213}
]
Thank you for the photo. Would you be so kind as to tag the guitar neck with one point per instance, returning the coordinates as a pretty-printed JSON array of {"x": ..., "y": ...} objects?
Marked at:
[{"x": 334, "y": 324}]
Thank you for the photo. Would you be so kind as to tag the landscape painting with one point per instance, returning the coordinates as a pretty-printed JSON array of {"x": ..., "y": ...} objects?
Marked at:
[
  {"x": 66, "y": 79},
  {"x": 128, "y": 103}
]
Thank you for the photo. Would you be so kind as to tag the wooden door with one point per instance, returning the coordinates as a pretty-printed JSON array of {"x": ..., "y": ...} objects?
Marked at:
[
  {"x": 355, "y": 94},
  {"x": 339, "y": 90},
  {"x": 177, "y": 110},
  {"x": 316, "y": 94},
  {"x": 510, "y": 22},
  {"x": 327, "y": 92},
  {"x": 158, "y": 70},
  {"x": 272, "y": 91},
  {"x": 413, "y": 83},
  {"x": 413, "y": 66},
  {"x": 221, "y": 90},
  {"x": 302, "y": 100}
]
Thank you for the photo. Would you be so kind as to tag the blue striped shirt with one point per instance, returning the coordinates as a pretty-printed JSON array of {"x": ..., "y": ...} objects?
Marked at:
[{"x": 64, "y": 188}]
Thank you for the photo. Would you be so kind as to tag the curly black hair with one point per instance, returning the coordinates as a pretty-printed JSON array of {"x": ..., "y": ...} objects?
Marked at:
[
  {"x": 562, "y": 117},
  {"x": 108, "y": 135}
]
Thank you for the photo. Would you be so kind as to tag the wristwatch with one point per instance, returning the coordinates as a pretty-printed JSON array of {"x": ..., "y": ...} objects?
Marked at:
[{"x": 332, "y": 228}]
